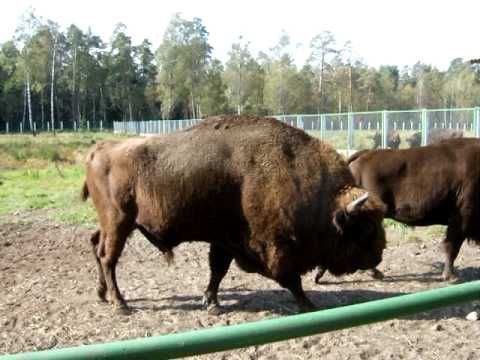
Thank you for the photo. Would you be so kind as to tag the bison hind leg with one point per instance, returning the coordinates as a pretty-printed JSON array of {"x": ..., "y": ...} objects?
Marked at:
[{"x": 98, "y": 248}]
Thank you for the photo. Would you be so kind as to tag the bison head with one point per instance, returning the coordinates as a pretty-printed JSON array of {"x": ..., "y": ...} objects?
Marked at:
[{"x": 358, "y": 223}]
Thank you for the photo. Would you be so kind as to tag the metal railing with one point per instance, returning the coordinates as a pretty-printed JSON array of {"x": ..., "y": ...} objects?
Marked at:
[
  {"x": 349, "y": 131},
  {"x": 261, "y": 332}
]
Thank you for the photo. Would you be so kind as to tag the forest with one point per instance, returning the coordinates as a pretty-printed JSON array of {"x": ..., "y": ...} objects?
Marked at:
[{"x": 48, "y": 74}]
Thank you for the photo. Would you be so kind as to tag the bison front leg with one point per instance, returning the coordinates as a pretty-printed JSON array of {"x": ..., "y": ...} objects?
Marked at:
[
  {"x": 293, "y": 282},
  {"x": 219, "y": 261}
]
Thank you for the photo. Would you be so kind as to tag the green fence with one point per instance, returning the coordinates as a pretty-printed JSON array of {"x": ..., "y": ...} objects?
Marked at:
[
  {"x": 261, "y": 332},
  {"x": 353, "y": 131}
]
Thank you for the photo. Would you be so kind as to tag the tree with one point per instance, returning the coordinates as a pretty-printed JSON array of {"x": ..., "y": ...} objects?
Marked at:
[
  {"x": 322, "y": 45},
  {"x": 183, "y": 58},
  {"x": 244, "y": 78},
  {"x": 11, "y": 83},
  {"x": 24, "y": 34},
  {"x": 214, "y": 100}
]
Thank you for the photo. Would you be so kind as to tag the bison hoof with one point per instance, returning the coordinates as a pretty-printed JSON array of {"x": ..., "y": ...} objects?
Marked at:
[
  {"x": 102, "y": 294},
  {"x": 305, "y": 306},
  {"x": 320, "y": 273},
  {"x": 307, "y": 309},
  {"x": 215, "y": 309},
  {"x": 122, "y": 309},
  {"x": 450, "y": 277},
  {"x": 376, "y": 274}
]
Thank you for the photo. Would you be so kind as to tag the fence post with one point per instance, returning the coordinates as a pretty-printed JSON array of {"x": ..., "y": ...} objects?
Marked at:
[
  {"x": 476, "y": 121},
  {"x": 34, "y": 127},
  {"x": 384, "y": 129},
  {"x": 21, "y": 128},
  {"x": 300, "y": 123},
  {"x": 322, "y": 126},
  {"x": 349, "y": 132},
  {"x": 424, "y": 127},
  {"x": 6, "y": 124},
  {"x": 61, "y": 125}
]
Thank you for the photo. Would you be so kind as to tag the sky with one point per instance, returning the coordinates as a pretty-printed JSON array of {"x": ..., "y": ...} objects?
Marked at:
[{"x": 381, "y": 32}]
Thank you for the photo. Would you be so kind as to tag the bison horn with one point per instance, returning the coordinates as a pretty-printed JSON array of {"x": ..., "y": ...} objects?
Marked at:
[{"x": 355, "y": 204}]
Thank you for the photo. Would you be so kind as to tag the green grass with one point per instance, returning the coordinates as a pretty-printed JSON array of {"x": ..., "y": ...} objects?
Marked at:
[
  {"x": 46, "y": 172},
  {"x": 27, "y": 189},
  {"x": 39, "y": 151}
]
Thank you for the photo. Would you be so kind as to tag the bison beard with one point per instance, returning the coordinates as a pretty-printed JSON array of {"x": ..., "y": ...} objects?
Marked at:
[{"x": 262, "y": 193}]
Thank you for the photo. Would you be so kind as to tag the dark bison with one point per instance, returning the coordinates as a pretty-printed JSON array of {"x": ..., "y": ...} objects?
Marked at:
[
  {"x": 435, "y": 136},
  {"x": 393, "y": 140},
  {"x": 262, "y": 193},
  {"x": 435, "y": 184}
]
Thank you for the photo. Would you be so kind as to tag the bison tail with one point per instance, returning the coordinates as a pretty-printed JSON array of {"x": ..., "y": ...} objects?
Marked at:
[{"x": 84, "y": 194}]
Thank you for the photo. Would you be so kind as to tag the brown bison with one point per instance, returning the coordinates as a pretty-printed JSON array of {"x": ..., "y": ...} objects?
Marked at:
[
  {"x": 435, "y": 184},
  {"x": 435, "y": 136},
  {"x": 262, "y": 193},
  {"x": 393, "y": 140}
]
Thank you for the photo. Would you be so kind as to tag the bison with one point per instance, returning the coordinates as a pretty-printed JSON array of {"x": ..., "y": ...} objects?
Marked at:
[
  {"x": 393, "y": 140},
  {"x": 435, "y": 136},
  {"x": 260, "y": 192},
  {"x": 435, "y": 184}
]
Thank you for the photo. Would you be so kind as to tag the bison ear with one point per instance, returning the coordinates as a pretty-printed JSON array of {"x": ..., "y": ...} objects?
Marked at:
[{"x": 340, "y": 218}]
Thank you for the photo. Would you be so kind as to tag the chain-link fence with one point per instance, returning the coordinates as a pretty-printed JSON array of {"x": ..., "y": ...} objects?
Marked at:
[
  {"x": 388, "y": 129},
  {"x": 347, "y": 132},
  {"x": 350, "y": 132}
]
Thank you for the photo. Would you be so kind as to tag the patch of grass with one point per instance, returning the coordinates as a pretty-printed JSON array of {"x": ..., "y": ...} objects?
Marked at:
[
  {"x": 24, "y": 189},
  {"x": 46, "y": 172},
  {"x": 29, "y": 151}
]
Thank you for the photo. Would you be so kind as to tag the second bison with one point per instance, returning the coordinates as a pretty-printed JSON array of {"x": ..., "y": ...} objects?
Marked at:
[
  {"x": 262, "y": 193},
  {"x": 435, "y": 184}
]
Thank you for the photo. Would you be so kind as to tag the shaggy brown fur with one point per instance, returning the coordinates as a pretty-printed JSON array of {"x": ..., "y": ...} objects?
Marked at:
[
  {"x": 260, "y": 192},
  {"x": 436, "y": 184}
]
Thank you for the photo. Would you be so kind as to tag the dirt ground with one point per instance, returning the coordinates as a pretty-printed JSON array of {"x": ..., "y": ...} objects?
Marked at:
[{"x": 47, "y": 297}]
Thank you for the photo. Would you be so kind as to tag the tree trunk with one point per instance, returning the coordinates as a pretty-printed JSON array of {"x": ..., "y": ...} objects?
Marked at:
[
  {"x": 350, "y": 89},
  {"x": 102, "y": 103},
  {"x": 42, "y": 109},
  {"x": 24, "y": 103},
  {"x": 94, "y": 109},
  {"x": 320, "y": 83},
  {"x": 130, "y": 110},
  {"x": 369, "y": 92},
  {"x": 339, "y": 101},
  {"x": 29, "y": 100},
  {"x": 74, "y": 105},
  {"x": 52, "y": 108}
]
